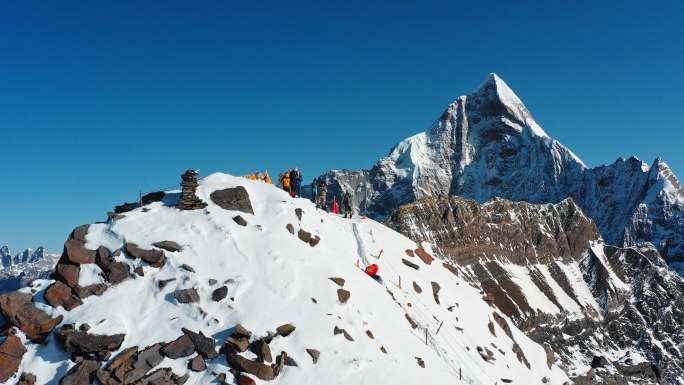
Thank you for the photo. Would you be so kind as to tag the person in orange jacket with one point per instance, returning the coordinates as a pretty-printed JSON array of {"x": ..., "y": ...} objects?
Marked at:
[{"x": 285, "y": 181}]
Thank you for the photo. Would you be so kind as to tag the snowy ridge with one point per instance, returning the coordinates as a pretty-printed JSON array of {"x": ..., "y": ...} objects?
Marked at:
[{"x": 274, "y": 278}]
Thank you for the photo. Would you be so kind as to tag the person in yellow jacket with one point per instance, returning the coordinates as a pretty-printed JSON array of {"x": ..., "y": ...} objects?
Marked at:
[{"x": 285, "y": 181}]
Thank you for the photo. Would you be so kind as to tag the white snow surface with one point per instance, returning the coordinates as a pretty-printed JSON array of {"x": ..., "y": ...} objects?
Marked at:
[{"x": 272, "y": 277}]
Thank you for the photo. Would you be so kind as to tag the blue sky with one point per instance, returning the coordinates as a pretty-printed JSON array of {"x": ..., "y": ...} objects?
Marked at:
[{"x": 100, "y": 100}]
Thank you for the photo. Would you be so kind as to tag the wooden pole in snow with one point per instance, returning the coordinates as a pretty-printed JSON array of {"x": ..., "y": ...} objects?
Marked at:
[
  {"x": 440, "y": 326},
  {"x": 426, "y": 335}
]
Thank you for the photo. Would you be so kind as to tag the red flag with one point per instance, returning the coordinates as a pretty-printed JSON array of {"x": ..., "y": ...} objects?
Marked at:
[{"x": 335, "y": 207}]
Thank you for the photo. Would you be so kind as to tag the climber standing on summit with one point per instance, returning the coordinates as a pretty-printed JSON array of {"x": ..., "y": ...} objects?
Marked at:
[
  {"x": 322, "y": 200},
  {"x": 295, "y": 183},
  {"x": 285, "y": 181},
  {"x": 346, "y": 202}
]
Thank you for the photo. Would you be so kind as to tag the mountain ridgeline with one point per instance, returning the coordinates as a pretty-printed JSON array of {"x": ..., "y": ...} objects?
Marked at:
[{"x": 487, "y": 145}]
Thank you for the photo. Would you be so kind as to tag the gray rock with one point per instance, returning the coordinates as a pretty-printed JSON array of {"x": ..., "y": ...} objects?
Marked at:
[
  {"x": 187, "y": 295},
  {"x": 235, "y": 198}
]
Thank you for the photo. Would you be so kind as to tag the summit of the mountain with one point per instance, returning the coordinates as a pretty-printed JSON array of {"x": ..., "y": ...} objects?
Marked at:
[
  {"x": 487, "y": 145},
  {"x": 253, "y": 286}
]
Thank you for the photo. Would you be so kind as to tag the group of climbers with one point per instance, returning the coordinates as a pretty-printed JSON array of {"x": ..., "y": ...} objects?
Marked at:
[{"x": 291, "y": 181}]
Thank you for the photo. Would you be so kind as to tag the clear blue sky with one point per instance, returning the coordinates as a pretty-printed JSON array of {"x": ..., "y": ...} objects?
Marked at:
[{"x": 99, "y": 100}]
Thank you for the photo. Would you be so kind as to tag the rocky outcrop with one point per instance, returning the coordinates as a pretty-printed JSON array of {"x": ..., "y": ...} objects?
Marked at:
[
  {"x": 19, "y": 310},
  {"x": 600, "y": 298}
]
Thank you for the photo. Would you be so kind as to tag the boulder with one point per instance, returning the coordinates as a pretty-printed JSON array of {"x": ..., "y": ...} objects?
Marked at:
[
  {"x": 18, "y": 309},
  {"x": 187, "y": 268},
  {"x": 304, "y": 236},
  {"x": 435, "y": 291},
  {"x": 338, "y": 281},
  {"x": 235, "y": 198},
  {"x": 205, "y": 346},
  {"x": 290, "y": 228},
  {"x": 197, "y": 364},
  {"x": 258, "y": 369},
  {"x": 262, "y": 350},
  {"x": 285, "y": 330},
  {"x": 181, "y": 347},
  {"x": 117, "y": 272},
  {"x": 420, "y": 362},
  {"x": 424, "y": 256},
  {"x": 346, "y": 335},
  {"x": 280, "y": 363},
  {"x": 11, "y": 353},
  {"x": 81, "y": 343},
  {"x": 219, "y": 293},
  {"x": 237, "y": 343},
  {"x": 410, "y": 253},
  {"x": 59, "y": 294},
  {"x": 103, "y": 257},
  {"x": 139, "y": 271},
  {"x": 186, "y": 295},
  {"x": 240, "y": 220},
  {"x": 409, "y": 264},
  {"x": 81, "y": 374},
  {"x": 155, "y": 258},
  {"x": 94, "y": 289},
  {"x": 315, "y": 354},
  {"x": 370, "y": 334},
  {"x": 299, "y": 212},
  {"x": 314, "y": 241},
  {"x": 242, "y": 331},
  {"x": 68, "y": 273},
  {"x": 76, "y": 252},
  {"x": 343, "y": 295},
  {"x": 169, "y": 246},
  {"x": 417, "y": 288},
  {"x": 27, "y": 379}
]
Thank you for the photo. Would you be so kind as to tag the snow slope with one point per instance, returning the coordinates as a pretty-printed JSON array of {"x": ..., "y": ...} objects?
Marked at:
[{"x": 274, "y": 278}]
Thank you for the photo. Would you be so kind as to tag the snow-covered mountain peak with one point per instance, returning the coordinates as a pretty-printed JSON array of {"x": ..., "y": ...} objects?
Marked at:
[{"x": 662, "y": 177}]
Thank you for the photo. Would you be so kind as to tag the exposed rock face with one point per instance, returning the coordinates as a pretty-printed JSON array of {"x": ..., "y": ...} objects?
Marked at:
[
  {"x": 488, "y": 145},
  {"x": 235, "y": 198},
  {"x": 19, "y": 311},
  {"x": 600, "y": 298}
]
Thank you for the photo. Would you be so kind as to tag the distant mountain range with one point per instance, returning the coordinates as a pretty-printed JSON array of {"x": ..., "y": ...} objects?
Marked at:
[{"x": 20, "y": 269}]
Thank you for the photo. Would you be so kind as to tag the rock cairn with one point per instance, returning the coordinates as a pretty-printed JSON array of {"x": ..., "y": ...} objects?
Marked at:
[{"x": 188, "y": 199}]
